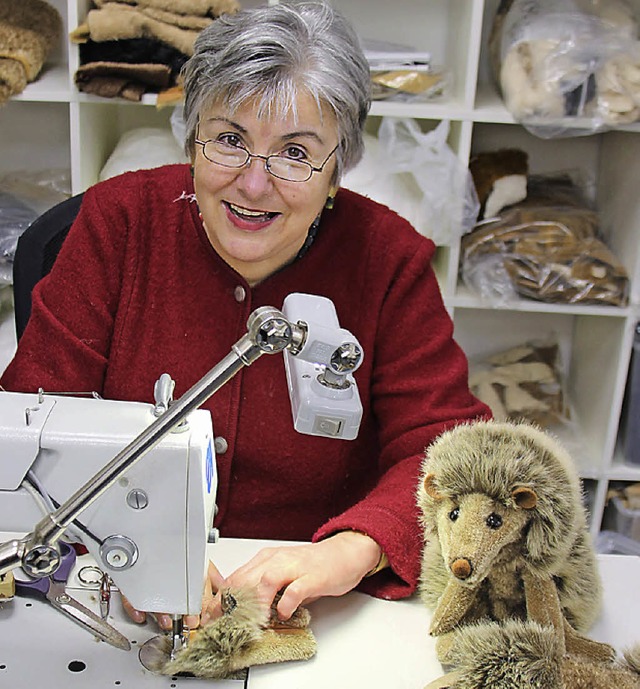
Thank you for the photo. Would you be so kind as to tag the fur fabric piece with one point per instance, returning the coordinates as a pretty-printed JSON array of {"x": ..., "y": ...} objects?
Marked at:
[
  {"x": 111, "y": 79},
  {"x": 28, "y": 31},
  {"x": 242, "y": 637},
  {"x": 134, "y": 51},
  {"x": 13, "y": 79},
  {"x": 500, "y": 179},
  {"x": 201, "y": 8},
  {"x": 182, "y": 21},
  {"x": 518, "y": 654},
  {"x": 123, "y": 22},
  {"x": 478, "y": 470}
]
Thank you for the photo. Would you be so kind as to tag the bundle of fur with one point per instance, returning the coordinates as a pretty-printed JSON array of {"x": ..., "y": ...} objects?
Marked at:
[
  {"x": 177, "y": 27},
  {"x": 242, "y": 637},
  {"x": 113, "y": 27},
  {"x": 506, "y": 536},
  {"x": 29, "y": 30}
]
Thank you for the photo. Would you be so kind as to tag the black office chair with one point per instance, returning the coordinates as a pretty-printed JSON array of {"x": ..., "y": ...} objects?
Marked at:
[{"x": 36, "y": 252}]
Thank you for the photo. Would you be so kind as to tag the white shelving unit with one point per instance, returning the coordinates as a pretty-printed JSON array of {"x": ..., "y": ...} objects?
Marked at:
[{"x": 52, "y": 124}]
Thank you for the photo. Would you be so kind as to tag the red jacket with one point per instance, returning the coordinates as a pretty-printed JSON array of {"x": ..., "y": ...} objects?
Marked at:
[{"x": 137, "y": 291}]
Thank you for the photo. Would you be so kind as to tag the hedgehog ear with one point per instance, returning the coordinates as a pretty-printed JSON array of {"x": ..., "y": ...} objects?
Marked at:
[
  {"x": 524, "y": 497},
  {"x": 430, "y": 487}
]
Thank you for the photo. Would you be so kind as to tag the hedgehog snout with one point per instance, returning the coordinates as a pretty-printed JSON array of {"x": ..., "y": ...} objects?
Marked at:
[{"x": 461, "y": 568}]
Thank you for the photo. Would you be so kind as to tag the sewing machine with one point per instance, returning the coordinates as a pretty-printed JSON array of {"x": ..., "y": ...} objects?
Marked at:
[{"x": 147, "y": 523}]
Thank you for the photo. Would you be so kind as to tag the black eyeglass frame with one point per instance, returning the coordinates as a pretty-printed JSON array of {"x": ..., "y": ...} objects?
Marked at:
[{"x": 266, "y": 159}]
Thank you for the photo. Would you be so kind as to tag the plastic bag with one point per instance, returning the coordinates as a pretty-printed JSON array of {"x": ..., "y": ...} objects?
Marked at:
[
  {"x": 558, "y": 59},
  {"x": 24, "y": 196},
  {"x": 546, "y": 248},
  {"x": 140, "y": 148},
  {"x": 418, "y": 176}
]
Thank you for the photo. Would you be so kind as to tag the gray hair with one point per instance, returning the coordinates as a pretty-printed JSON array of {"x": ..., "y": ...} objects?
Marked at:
[{"x": 269, "y": 54}]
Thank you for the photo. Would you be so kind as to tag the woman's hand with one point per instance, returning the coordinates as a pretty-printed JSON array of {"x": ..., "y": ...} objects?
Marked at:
[
  {"x": 213, "y": 582},
  {"x": 306, "y": 572}
]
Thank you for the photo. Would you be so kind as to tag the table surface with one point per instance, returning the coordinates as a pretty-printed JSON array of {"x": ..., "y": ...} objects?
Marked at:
[{"x": 362, "y": 641}]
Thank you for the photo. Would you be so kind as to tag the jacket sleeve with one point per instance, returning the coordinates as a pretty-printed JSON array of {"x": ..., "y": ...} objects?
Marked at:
[
  {"x": 74, "y": 307},
  {"x": 419, "y": 389}
]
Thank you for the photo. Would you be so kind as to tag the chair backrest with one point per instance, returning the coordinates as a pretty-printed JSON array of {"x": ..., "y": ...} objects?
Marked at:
[{"x": 36, "y": 252}]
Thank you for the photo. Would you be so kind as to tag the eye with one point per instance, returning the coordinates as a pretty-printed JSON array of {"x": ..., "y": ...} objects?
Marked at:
[
  {"x": 294, "y": 153},
  {"x": 230, "y": 139},
  {"x": 494, "y": 521},
  {"x": 454, "y": 514}
]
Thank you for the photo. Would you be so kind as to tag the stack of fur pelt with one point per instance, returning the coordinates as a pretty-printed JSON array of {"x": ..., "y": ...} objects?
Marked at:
[
  {"x": 28, "y": 31},
  {"x": 508, "y": 566},
  {"x": 132, "y": 47}
]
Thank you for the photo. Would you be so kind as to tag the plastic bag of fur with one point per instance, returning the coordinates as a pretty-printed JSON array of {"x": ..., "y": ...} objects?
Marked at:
[
  {"x": 558, "y": 59},
  {"x": 242, "y": 637},
  {"x": 506, "y": 536},
  {"x": 547, "y": 248}
]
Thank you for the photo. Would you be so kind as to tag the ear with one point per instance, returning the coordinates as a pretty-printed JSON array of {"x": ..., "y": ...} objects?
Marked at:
[
  {"x": 525, "y": 498},
  {"x": 430, "y": 487}
]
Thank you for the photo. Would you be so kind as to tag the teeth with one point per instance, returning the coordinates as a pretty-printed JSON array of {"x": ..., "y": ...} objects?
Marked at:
[{"x": 245, "y": 211}]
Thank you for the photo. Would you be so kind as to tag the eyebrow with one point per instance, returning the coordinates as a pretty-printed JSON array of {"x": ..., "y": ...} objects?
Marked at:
[{"x": 308, "y": 133}]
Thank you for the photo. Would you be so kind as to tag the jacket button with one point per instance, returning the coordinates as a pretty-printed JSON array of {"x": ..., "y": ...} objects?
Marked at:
[
  {"x": 221, "y": 445},
  {"x": 240, "y": 293}
]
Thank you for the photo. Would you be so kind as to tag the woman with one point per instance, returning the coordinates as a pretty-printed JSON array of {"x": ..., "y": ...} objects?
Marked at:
[{"x": 162, "y": 268}]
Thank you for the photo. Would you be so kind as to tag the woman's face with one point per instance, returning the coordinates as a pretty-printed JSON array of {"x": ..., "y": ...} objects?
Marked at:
[{"x": 256, "y": 222}]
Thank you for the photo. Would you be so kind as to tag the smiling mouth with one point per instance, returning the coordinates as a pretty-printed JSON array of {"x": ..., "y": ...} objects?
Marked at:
[{"x": 249, "y": 215}]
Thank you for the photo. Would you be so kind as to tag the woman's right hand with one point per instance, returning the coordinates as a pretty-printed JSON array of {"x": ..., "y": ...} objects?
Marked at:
[{"x": 213, "y": 582}]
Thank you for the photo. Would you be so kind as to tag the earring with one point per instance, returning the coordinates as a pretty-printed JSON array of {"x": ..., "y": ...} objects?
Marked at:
[{"x": 329, "y": 203}]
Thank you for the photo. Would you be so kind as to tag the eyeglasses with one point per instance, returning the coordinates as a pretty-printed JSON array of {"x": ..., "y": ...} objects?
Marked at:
[{"x": 224, "y": 154}]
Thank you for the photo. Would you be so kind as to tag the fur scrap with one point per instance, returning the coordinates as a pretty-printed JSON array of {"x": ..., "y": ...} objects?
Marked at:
[
  {"x": 130, "y": 81},
  {"x": 182, "y": 21},
  {"x": 500, "y": 178},
  {"x": 201, "y": 8},
  {"x": 242, "y": 637},
  {"x": 23, "y": 48},
  {"x": 124, "y": 22}
]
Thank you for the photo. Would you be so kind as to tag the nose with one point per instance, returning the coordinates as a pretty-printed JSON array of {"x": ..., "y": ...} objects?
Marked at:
[
  {"x": 462, "y": 568},
  {"x": 253, "y": 178}
]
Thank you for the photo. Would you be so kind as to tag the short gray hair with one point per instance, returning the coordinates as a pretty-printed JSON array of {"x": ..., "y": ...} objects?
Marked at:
[{"x": 268, "y": 54}]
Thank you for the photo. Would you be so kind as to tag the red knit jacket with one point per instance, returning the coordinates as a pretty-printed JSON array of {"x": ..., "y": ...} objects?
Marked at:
[{"x": 138, "y": 290}]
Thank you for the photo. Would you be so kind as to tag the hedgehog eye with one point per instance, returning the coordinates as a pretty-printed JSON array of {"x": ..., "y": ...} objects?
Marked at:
[
  {"x": 494, "y": 521},
  {"x": 454, "y": 514}
]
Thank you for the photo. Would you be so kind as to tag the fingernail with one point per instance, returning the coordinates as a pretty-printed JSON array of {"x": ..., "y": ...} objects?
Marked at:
[
  {"x": 164, "y": 621},
  {"x": 138, "y": 616}
]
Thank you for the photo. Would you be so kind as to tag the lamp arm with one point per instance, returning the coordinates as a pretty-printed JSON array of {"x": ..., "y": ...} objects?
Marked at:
[{"x": 268, "y": 332}]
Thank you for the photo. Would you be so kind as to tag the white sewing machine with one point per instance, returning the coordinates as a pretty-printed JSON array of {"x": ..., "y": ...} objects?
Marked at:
[{"x": 147, "y": 523}]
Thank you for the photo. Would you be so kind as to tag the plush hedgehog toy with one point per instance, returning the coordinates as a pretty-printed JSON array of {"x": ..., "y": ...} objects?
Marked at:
[{"x": 506, "y": 540}]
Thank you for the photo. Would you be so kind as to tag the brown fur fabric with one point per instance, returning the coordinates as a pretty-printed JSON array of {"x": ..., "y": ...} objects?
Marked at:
[
  {"x": 117, "y": 21},
  {"x": 489, "y": 166},
  {"x": 28, "y": 31},
  {"x": 202, "y": 8},
  {"x": 242, "y": 637}
]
